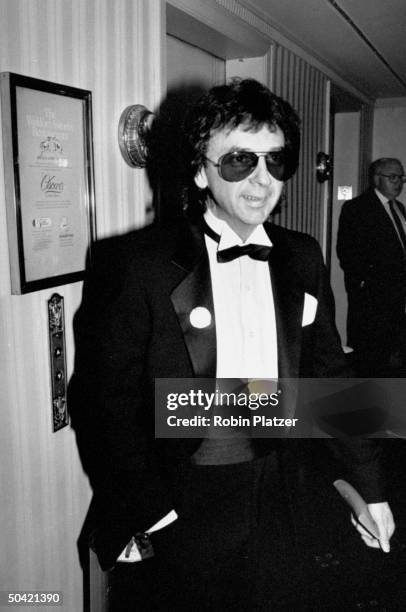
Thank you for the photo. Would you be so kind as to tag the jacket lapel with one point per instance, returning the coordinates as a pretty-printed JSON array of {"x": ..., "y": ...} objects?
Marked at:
[{"x": 192, "y": 300}]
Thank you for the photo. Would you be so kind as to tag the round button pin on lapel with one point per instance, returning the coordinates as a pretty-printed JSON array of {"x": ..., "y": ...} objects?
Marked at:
[{"x": 200, "y": 317}]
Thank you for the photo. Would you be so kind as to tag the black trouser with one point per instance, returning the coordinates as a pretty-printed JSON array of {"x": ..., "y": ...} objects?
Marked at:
[{"x": 232, "y": 547}]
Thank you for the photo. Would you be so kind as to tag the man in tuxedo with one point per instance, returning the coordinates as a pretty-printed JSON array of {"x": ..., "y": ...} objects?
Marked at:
[
  {"x": 371, "y": 247},
  {"x": 225, "y": 294}
]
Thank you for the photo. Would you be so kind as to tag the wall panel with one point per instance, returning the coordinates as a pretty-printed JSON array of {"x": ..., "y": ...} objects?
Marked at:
[
  {"x": 113, "y": 49},
  {"x": 365, "y": 145},
  {"x": 346, "y": 156},
  {"x": 304, "y": 87},
  {"x": 389, "y": 134}
]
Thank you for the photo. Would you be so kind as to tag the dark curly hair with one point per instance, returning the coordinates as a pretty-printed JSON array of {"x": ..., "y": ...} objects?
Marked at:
[{"x": 242, "y": 102}]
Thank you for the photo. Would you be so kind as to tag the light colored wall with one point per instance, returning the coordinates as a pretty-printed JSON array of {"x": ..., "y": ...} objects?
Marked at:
[
  {"x": 304, "y": 86},
  {"x": 250, "y": 68},
  {"x": 346, "y": 169},
  {"x": 189, "y": 65},
  {"x": 389, "y": 137},
  {"x": 114, "y": 50}
]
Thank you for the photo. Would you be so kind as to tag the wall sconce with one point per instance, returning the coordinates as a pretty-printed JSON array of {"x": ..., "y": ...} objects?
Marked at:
[
  {"x": 134, "y": 124},
  {"x": 324, "y": 166}
]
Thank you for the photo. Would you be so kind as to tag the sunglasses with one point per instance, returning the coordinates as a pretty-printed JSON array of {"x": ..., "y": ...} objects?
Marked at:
[{"x": 237, "y": 165}]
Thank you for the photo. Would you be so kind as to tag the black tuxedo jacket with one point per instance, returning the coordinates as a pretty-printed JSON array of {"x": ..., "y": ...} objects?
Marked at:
[
  {"x": 372, "y": 259},
  {"x": 133, "y": 326}
]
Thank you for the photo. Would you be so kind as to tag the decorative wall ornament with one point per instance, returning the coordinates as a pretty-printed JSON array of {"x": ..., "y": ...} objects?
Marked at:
[
  {"x": 134, "y": 124},
  {"x": 57, "y": 353},
  {"x": 324, "y": 166}
]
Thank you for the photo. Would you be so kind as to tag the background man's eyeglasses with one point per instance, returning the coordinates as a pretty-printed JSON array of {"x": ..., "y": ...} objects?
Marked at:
[
  {"x": 393, "y": 177},
  {"x": 238, "y": 165}
]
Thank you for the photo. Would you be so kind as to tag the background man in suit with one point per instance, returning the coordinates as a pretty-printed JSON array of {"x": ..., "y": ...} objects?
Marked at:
[
  {"x": 224, "y": 294},
  {"x": 371, "y": 246}
]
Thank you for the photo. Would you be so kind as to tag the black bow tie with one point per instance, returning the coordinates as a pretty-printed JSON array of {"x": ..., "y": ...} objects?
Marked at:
[{"x": 255, "y": 251}]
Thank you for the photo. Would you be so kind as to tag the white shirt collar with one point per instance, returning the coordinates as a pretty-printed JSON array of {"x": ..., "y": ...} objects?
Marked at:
[
  {"x": 385, "y": 202},
  {"x": 381, "y": 197},
  {"x": 228, "y": 237}
]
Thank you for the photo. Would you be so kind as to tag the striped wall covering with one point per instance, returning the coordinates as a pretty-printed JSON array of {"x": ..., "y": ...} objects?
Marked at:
[{"x": 305, "y": 88}]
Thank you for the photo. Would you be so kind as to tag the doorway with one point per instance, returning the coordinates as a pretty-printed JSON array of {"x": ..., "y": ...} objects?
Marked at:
[
  {"x": 347, "y": 158},
  {"x": 191, "y": 71}
]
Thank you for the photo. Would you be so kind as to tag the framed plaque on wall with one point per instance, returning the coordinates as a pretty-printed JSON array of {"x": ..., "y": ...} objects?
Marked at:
[{"x": 48, "y": 167}]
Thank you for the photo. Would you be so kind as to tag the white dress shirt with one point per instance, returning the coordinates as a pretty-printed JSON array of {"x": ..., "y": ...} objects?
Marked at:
[{"x": 243, "y": 307}]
